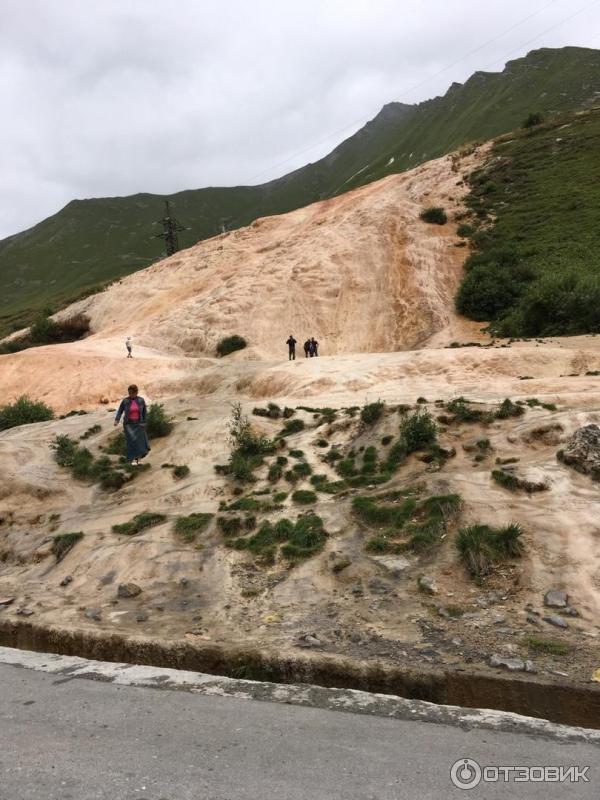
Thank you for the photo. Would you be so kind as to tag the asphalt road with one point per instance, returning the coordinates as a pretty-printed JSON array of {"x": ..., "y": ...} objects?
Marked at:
[{"x": 74, "y": 738}]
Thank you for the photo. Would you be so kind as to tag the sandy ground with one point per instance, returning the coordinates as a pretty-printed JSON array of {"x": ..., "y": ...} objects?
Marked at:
[{"x": 375, "y": 285}]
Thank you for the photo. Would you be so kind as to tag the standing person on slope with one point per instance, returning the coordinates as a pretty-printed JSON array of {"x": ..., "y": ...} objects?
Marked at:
[
  {"x": 314, "y": 347},
  {"x": 307, "y": 348},
  {"x": 291, "y": 343},
  {"x": 129, "y": 346},
  {"x": 133, "y": 411}
]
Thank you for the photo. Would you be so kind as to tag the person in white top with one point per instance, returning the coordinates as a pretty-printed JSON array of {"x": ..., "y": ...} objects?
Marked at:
[{"x": 129, "y": 346}]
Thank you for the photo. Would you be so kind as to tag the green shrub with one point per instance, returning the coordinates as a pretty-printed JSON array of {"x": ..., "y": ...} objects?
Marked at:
[
  {"x": 369, "y": 511},
  {"x": 464, "y": 230},
  {"x": 189, "y": 527},
  {"x": 332, "y": 456},
  {"x": 378, "y": 544},
  {"x": 44, "y": 331},
  {"x": 181, "y": 471},
  {"x": 514, "y": 484},
  {"x": 396, "y": 455},
  {"x": 443, "y": 505},
  {"x": 247, "y": 447},
  {"x": 418, "y": 431},
  {"x": 229, "y": 344},
  {"x": 372, "y": 412},
  {"x": 302, "y": 469},
  {"x": 292, "y": 426},
  {"x": 481, "y": 547},
  {"x": 275, "y": 473},
  {"x": 83, "y": 466},
  {"x": 92, "y": 431},
  {"x": 435, "y": 215},
  {"x": 246, "y": 504},
  {"x": 463, "y": 412},
  {"x": 385, "y": 440},
  {"x": 532, "y": 120},
  {"x": 304, "y": 497},
  {"x": 302, "y": 539},
  {"x": 23, "y": 412},
  {"x": 307, "y": 538},
  {"x": 64, "y": 542},
  {"x": 230, "y": 526},
  {"x": 297, "y": 453},
  {"x": 158, "y": 424},
  {"x": 291, "y": 477},
  {"x": 116, "y": 445},
  {"x": 330, "y": 487},
  {"x": 242, "y": 467},
  {"x": 370, "y": 454},
  {"x": 346, "y": 468},
  {"x": 140, "y": 522},
  {"x": 429, "y": 521},
  {"x": 509, "y": 409},
  {"x": 48, "y": 331},
  {"x": 279, "y": 497}
]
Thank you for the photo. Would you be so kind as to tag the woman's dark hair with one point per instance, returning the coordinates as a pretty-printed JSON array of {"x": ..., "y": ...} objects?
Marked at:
[{"x": 132, "y": 388}]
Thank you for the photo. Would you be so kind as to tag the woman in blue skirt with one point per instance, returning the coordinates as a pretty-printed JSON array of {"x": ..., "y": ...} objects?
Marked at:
[{"x": 133, "y": 411}]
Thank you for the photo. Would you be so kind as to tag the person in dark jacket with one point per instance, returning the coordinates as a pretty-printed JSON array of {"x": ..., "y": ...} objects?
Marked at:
[
  {"x": 314, "y": 347},
  {"x": 133, "y": 410},
  {"x": 291, "y": 343},
  {"x": 307, "y": 348}
]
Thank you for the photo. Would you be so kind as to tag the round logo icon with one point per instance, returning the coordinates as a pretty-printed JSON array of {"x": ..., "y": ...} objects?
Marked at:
[{"x": 465, "y": 773}]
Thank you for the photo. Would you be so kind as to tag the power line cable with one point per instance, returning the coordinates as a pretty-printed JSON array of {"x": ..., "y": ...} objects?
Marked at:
[{"x": 543, "y": 33}]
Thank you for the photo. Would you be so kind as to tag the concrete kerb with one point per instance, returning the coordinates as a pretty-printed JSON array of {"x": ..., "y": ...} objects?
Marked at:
[{"x": 67, "y": 668}]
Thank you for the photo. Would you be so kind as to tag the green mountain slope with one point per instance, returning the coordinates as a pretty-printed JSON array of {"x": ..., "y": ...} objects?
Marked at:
[
  {"x": 535, "y": 270},
  {"x": 92, "y": 241}
]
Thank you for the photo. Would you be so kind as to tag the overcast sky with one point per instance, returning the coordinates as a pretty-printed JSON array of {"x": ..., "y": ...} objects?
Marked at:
[{"x": 120, "y": 96}]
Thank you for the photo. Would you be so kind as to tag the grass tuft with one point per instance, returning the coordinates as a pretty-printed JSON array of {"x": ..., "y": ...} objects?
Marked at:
[
  {"x": 63, "y": 543},
  {"x": 189, "y": 527},
  {"x": 482, "y": 547},
  {"x": 140, "y": 522}
]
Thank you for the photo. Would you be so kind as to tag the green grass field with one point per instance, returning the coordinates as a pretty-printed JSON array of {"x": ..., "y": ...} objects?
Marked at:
[{"x": 535, "y": 204}]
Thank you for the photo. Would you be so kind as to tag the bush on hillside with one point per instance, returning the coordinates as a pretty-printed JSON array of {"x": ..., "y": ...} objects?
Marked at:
[
  {"x": 371, "y": 412},
  {"x": 158, "y": 424},
  {"x": 435, "y": 215},
  {"x": 44, "y": 331},
  {"x": 532, "y": 120},
  {"x": 418, "y": 431},
  {"x": 464, "y": 230},
  {"x": 23, "y": 412},
  {"x": 247, "y": 446},
  {"x": 230, "y": 344}
]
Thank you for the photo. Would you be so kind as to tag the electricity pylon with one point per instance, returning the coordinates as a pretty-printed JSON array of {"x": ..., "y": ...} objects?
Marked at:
[{"x": 170, "y": 229}]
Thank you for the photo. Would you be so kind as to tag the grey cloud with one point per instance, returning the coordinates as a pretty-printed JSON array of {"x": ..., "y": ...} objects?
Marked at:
[{"x": 134, "y": 95}]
